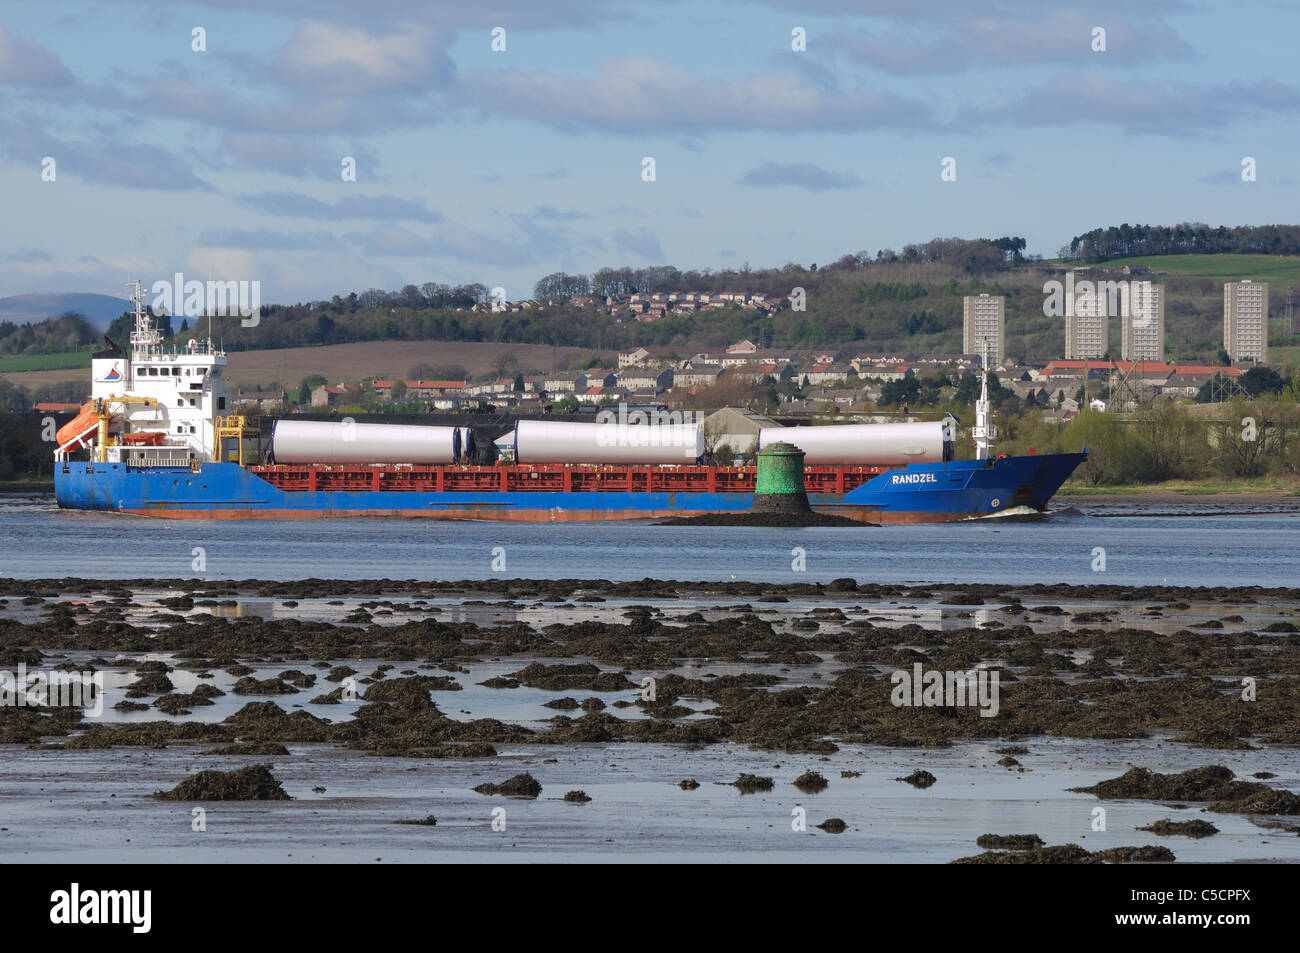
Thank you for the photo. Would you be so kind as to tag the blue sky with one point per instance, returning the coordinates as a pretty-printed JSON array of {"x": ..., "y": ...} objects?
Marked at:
[{"x": 501, "y": 167}]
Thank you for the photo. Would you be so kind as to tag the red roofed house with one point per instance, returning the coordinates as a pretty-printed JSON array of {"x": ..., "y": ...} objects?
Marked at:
[
  {"x": 328, "y": 395},
  {"x": 1207, "y": 369},
  {"x": 418, "y": 389}
]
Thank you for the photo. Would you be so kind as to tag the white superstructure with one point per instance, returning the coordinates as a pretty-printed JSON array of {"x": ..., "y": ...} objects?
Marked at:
[{"x": 155, "y": 406}]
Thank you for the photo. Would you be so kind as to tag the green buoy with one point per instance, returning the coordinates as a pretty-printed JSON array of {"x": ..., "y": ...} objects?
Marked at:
[{"x": 779, "y": 487}]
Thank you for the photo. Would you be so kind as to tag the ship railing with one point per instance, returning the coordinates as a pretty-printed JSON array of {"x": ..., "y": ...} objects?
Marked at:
[{"x": 155, "y": 462}]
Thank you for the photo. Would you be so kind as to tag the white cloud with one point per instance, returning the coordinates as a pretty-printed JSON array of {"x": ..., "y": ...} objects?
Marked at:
[
  {"x": 325, "y": 58},
  {"x": 638, "y": 93}
]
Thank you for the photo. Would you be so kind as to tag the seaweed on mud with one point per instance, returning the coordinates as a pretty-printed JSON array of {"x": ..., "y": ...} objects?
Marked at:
[
  {"x": 521, "y": 785},
  {"x": 410, "y": 692},
  {"x": 334, "y": 697},
  {"x": 577, "y": 797},
  {"x": 559, "y": 678},
  {"x": 810, "y": 782},
  {"x": 1009, "y": 841},
  {"x": 149, "y": 683},
  {"x": 254, "y": 783},
  {"x": 429, "y": 821},
  {"x": 264, "y": 686},
  {"x": 919, "y": 778},
  {"x": 1072, "y": 854},
  {"x": 752, "y": 784},
  {"x": 1214, "y": 783},
  {"x": 1184, "y": 692},
  {"x": 1194, "y": 828},
  {"x": 298, "y": 679},
  {"x": 440, "y": 752},
  {"x": 262, "y": 748},
  {"x": 267, "y": 721},
  {"x": 833, "y": 825},
  {"x": 690, "y": 784},
  {"x": 1136, "y": 855}
]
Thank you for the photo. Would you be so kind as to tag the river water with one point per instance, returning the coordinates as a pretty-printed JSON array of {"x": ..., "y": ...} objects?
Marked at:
[
  {"x": 1126, "y": 542},
  {"x": 346, "y": 802}
]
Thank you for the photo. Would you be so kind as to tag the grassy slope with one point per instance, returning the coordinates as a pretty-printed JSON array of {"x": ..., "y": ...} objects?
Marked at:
[
  {"x": 44, "y": 362},
  {"x": 1280, "y": 271}
]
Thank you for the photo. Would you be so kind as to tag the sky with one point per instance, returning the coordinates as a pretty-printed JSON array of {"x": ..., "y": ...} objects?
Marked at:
[{"x": 499, "y": 166}]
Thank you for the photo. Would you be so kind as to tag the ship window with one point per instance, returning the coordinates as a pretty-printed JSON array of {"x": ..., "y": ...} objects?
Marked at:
[
  {"x": 180, "y": 402},
  {"x": 176, "y": 372},
  {"x": 221, "y": 403}
]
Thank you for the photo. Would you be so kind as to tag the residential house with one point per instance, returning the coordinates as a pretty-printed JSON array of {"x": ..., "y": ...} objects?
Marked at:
[
  {"x": 821, "y": 373},
  {"x": 631, "y": 358},
  {"x": 698, "y": 375},
  {"x": 646, "y": 380},
  {"x": 261, "y": 400},
  {"x": 328, "y": 395},
  {"x": 564, "y": 383},
  {"x": 1179, "y": 384}
]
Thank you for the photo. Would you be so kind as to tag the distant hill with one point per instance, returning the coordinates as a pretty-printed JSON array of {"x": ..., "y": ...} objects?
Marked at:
[{"x": 98, "y": 310}]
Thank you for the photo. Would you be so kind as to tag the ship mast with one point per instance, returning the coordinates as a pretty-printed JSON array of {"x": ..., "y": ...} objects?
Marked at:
[
  {"x": 984, "y": 431},
  {"x": 145, "y": 338}
]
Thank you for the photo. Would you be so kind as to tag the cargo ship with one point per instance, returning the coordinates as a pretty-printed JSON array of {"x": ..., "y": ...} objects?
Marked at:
[{"x": 158, "y": 437}]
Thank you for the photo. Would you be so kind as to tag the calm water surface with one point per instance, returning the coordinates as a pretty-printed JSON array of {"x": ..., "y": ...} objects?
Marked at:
[{"x": 1186, "y": 544}]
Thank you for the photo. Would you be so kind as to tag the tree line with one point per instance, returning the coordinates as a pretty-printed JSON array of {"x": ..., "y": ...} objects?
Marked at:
[
  {"x": 68, "y": 332},
  {"x": 1134, "y": 241}
]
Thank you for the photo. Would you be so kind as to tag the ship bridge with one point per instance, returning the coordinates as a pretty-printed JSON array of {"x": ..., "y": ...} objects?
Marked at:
[{"x": 157, "y": 406}]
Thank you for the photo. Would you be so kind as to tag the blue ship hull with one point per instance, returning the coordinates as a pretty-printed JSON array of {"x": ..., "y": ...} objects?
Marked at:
[{"x": 926, "y": 492}]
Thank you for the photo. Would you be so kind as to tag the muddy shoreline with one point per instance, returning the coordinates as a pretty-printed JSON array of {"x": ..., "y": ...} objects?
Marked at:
[{"x": 461, "y": 672}]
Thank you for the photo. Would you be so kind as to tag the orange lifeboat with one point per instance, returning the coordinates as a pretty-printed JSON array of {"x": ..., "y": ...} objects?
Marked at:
[
  {"x": 77, "y": 432},
  {"x": 146, "y": 438}
]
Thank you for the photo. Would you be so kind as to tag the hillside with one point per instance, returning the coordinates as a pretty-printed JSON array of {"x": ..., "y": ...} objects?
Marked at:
[
  {"x": 858, "y": 304},
  {"x": 396, "y": 359},
  {"x": 902, "y": 303}
]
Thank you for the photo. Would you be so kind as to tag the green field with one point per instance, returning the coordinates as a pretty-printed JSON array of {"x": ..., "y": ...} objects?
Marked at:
[
  {"x": 46, "y": 362},
  {"x": 1281, "y": 271}
]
